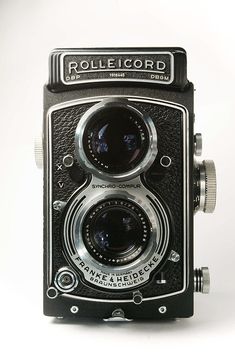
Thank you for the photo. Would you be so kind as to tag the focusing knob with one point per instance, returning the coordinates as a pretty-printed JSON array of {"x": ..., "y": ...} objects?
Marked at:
[
  {"x": 38, "y": 151},
  {"x": 205, "y": 186},
  {"x": 202, "y": 280}
]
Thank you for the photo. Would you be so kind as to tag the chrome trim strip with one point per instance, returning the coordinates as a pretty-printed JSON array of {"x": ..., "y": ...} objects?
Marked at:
[
  {"x": 49, "y": 207},
  {"x": 125, "y": 70},
  {"x": 116, "y": 79}
]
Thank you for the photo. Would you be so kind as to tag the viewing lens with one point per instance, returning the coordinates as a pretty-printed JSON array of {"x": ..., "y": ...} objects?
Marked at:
[
  {"x": 116, "y": 139},
  {"x": 116, "y": 232}
]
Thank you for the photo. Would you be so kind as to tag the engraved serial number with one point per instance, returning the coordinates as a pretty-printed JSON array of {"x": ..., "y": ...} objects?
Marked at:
[{"x": 117, "y": 74}]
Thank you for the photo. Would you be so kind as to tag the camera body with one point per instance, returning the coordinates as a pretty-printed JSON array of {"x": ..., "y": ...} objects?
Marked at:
[{"x": 121, "y": 185}]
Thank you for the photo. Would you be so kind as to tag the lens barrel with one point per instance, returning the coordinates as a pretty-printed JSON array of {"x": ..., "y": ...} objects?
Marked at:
[
  {"x": 116, "y": 232},
  {"x": 115, "y": 141}
]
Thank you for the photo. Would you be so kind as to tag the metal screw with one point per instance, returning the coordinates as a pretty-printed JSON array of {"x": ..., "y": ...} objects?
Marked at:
[
  {"x": 174, "y": 256},
  {"x": 162, "y": 309},
  {"x": 74, "y": 309},
  {"x": 52, "y": 293},
  {"x": 58, "y": 205},
  {"x": 137, "y": 297},
  {"x": 68, "y": 160}
]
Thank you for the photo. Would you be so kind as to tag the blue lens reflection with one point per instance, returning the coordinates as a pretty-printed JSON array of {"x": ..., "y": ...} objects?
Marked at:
[{"x": 130, "y": 142}]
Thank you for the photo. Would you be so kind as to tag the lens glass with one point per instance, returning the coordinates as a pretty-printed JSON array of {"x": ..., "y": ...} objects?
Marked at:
[
  {"x": 116, "y": 232},
  {"x": 116, "y": 139}
]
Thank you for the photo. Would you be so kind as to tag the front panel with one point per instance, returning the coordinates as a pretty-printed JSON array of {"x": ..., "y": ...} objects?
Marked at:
[{"x": 164, "y": 186}]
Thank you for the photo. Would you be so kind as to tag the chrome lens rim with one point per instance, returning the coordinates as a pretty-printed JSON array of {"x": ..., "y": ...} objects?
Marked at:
[
  {"x": 84, "y": 263},
  {"x": 82, "y": 158},
  {"x": 138, "y": 246}
]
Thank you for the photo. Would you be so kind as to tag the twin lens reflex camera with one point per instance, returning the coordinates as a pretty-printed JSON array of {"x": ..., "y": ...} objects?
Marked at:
[{"x": 121, "y": 185}]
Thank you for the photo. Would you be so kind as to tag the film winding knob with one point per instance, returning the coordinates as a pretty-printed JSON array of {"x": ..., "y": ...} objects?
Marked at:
[
  {"x": 210, "y": 200},
  {"x": 210, "y": 186},
  {"x": 205, "y": 186}
]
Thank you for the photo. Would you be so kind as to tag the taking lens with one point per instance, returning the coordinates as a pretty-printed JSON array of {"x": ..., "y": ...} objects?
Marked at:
[
  {"x": 116, "y": 139},
  {"x": 116, "y": 232}
]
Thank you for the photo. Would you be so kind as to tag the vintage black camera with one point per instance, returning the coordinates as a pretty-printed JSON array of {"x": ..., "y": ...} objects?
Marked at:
[{"x": 121, "y": 185}]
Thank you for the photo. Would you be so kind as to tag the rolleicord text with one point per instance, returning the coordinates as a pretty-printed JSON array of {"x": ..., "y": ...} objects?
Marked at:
[{"x": 75, "y": 67}]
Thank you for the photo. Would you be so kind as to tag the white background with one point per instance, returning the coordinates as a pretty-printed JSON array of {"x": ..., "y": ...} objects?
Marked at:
[{"x": 28, "y": 31}]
